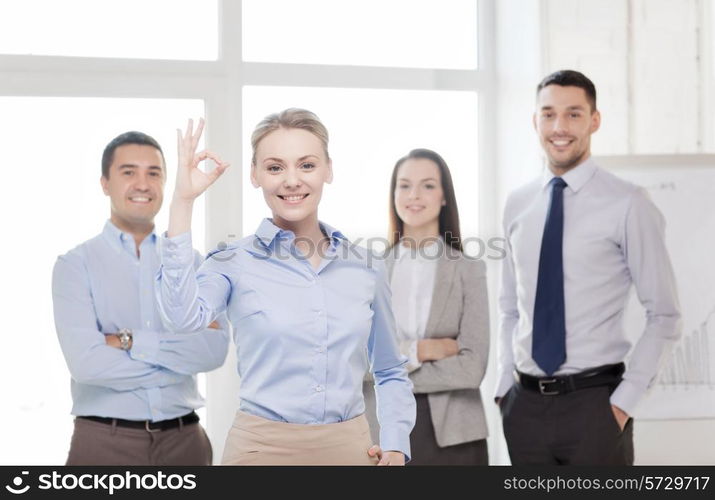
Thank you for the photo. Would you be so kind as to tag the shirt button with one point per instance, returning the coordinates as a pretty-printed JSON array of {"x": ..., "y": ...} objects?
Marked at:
[
  {"x": 320, "y": 349},
  {"x": 318, "y": 388},
  {"x": 321, "y": 313},
  {"x": 148, "y": 323}
]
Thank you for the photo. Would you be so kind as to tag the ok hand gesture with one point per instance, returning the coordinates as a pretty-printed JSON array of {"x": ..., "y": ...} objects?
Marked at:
[{"x": 191, "y": 181}]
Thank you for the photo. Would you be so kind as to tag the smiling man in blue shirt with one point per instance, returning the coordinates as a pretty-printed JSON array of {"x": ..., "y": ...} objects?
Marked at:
[{"x": 133, "y": 383}]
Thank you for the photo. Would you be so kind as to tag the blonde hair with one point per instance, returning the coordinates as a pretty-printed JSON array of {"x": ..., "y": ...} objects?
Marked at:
[{"x": 289, "y": 118}]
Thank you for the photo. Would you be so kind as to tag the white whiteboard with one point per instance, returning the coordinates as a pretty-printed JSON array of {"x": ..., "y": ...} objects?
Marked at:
[{"x": 683, "y": 188}]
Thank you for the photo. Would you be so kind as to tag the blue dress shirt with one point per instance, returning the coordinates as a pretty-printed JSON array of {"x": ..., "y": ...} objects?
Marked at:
[
  {"x": 102, "y": 286},
  {"x": 305, "y": 336}
]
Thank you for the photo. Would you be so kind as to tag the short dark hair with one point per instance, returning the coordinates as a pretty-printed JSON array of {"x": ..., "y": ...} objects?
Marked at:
[
  {"x": 448, "y": 215},
  {"x": 131, "y": 137},
  {"x": 571, "y": 78}
]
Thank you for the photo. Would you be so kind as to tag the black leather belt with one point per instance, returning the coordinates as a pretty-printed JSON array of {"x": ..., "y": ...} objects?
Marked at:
[
  {"x": 561, "y": 384},
  {"x": 148, "y": 425}
]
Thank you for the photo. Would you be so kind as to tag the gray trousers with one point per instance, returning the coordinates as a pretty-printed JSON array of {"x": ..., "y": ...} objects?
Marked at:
[
  {"x": 577, "y": 428},
  {"x": 95, "y": 443}
]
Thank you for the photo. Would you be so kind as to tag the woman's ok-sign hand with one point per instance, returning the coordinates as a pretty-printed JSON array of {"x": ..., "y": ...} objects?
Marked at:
[{"x": 191, "y": 181}]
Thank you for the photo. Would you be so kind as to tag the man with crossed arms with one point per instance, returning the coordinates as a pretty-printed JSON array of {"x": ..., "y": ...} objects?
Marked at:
[{"x": 133, "y": 383}]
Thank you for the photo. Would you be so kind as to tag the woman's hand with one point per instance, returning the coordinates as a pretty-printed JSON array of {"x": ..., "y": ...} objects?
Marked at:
[
  {"x": 191, "y": 181},
  {"x": 436, "y": 349},
  {"x": 386, "y": 457}
]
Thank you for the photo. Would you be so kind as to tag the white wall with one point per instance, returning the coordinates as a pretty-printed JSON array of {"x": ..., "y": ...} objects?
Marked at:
[
  {"x": 651, "y": 61},
  {"x": 517, "y": 157},
  {"x": 674, "y": 442}
]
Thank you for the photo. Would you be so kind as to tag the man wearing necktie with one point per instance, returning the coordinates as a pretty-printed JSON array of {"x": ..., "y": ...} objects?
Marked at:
[{"x": 577, "y": 239}]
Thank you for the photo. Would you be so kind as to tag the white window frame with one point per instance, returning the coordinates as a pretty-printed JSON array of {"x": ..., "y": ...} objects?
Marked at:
[{"x": 219, "y": 83}]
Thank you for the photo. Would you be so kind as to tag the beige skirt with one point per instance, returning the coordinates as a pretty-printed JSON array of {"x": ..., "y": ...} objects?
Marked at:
[{"x": 258, "y": 441}]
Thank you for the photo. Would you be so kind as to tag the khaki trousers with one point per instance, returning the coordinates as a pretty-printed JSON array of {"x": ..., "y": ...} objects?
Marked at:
[{"x": 257, "y": 441}]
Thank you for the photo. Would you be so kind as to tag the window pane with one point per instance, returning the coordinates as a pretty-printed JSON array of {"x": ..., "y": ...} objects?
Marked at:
[
  {"x": 53, "y": 201},
  {"x": 403, "y": 33},
  {"x": 142, "y": 29},
  {"x": 369, "y": 131}
]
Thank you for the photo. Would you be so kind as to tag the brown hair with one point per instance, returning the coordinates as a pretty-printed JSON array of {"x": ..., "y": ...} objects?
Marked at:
[
  {"x": 448, "y": 215},
  {"x": 571, "y": 78},
  {"x": 289, "y": 118},
  {"x": 132, "y": 137}
]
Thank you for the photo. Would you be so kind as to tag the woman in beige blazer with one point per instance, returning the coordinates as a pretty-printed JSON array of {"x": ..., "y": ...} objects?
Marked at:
[{"x": 439, "y": 298}]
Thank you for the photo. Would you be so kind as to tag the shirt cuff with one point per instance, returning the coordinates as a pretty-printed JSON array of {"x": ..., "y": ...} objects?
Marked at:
[
  {"x": 145, "y": 346},
  {"x": 176, "y": 252},
  {"x": 394, "y": 440},
  {"x": 412, "y": 361},
  {"x": 506, "y": 380},
  {"x": 627, "y": 395}
]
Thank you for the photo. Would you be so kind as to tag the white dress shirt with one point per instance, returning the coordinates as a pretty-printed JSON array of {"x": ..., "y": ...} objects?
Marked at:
[
  {"x": 412, "y": 286},
  {"x": 613, "y": 236}
]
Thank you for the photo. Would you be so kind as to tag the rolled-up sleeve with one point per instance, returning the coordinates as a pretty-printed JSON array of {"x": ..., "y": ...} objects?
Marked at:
[{"x": 393, "y": 389}]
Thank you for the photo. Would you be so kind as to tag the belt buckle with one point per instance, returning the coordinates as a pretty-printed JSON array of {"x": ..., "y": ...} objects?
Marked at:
[
  {"x": 542, "y": 387},
  {"x": 149, "y": 429}
]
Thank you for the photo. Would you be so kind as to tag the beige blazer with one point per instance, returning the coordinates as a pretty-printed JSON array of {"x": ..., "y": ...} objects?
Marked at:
[{"x": 459, "y": 310}]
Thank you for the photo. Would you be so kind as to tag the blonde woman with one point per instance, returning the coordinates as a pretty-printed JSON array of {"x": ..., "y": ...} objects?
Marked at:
[{"x": 310, "y": 312}]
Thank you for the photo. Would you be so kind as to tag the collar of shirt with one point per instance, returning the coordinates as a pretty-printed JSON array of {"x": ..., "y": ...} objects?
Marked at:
[
  {"x": 121, "y": 241},
  {"x": 268, "y": 232},
  {"x": 576, "y": 178}
]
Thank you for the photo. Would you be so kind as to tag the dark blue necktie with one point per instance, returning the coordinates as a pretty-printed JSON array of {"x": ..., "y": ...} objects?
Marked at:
[{"x": 549, "y": 339}]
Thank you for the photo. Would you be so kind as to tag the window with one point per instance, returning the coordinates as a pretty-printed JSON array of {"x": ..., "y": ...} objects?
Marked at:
[
  {"x": 400, "y": 33},
  {"x": 142, "y": 29}
]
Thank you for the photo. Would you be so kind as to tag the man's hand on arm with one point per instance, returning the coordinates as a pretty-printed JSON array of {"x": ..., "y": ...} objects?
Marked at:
[{"x": 112, "y": 340}]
